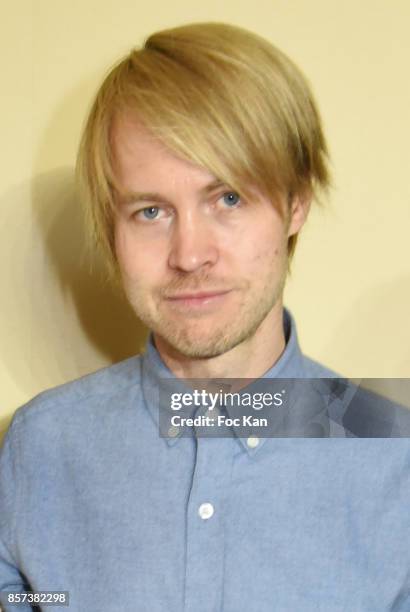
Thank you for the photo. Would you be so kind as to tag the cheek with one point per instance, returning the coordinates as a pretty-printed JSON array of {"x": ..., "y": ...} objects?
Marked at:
[
  {"x": 128, "y": 251},
  {"x": 124, "y": 251},
  {"x": 140, "y": 261},
  {"x": 270, "y": 250}
]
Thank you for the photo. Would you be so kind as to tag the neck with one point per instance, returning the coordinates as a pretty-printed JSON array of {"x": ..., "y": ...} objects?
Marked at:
[{"x": 249, "y": 359}]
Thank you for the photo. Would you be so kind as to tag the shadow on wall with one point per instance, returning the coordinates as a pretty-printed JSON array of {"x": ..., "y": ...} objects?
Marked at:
[
  {"x": 4, "y": 423},
  {"x": 57, "y": 320},
  {"x": 106, "y": 319}
]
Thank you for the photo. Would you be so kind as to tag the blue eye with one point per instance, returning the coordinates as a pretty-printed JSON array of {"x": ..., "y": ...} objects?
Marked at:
[
  {"x": 151, "y": 212},
  {"x": 231, "y": 198}
]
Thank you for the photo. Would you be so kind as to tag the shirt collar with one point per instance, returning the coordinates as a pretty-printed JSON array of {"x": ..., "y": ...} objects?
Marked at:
[{"x": 154, "y": 374}]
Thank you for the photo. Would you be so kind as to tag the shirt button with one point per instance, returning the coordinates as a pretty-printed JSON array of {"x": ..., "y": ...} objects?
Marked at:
[
  {"x": 205, "y": 511},
  {"x": 212, "y": 414},
  {"x": 173, "y": 431},
  {"x": 252, "y": 442}
]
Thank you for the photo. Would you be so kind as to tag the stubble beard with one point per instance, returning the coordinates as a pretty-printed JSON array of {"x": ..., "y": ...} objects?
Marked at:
[{"x": 197, "y": 339}]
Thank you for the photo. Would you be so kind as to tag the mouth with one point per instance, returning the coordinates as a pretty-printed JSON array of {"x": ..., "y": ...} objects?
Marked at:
[{"x": 197, "y": 299}]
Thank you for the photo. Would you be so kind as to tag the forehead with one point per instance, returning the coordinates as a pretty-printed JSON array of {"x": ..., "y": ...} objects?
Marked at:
[{"x": 141, "y": 157}]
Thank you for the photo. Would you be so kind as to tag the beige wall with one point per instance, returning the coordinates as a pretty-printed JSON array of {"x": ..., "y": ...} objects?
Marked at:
[{"x": 350, "y": 289}]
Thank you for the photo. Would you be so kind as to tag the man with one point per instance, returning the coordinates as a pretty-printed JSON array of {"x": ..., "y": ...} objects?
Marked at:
[{"x": 199, "y": 161}]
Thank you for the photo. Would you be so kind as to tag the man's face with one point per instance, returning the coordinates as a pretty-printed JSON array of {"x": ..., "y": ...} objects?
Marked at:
[{"x": 202, "y": 268}]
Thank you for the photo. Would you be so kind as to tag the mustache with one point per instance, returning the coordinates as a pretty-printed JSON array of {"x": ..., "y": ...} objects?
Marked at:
[{"x": 195, "y": 283}]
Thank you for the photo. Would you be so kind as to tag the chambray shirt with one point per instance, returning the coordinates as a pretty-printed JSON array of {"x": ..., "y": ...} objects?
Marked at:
[{"x": 93, "y": 501}]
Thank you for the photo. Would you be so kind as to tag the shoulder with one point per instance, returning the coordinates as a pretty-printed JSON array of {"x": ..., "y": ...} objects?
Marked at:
[
  {"x": 360, "y": 411},
  {"x": 85, "y": 398}
]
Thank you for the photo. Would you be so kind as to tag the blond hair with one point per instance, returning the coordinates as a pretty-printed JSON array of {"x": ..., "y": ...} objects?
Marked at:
[{"x": 219, "y": 96}]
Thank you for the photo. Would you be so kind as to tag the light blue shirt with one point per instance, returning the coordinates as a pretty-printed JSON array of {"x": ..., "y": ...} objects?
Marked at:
[{"x": 93, "y": 501}]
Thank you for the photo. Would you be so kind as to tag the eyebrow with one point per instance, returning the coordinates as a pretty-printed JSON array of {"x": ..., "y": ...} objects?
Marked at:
[{"x": 133, "y": 197}]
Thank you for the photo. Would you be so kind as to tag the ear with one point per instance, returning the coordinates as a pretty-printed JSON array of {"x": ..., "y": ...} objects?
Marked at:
[{"x": 299, "y": 210}]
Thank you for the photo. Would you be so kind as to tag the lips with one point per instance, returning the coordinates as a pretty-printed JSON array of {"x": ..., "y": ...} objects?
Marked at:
[
  {"x": 200, "y": 295},
  {"x": 198, "y": 299}
]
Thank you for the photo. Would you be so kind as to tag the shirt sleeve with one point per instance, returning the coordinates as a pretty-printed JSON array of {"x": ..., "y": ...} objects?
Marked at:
[{"x": 11, "y": 579}]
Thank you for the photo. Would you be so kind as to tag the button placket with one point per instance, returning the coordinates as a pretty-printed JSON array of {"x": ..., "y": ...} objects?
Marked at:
[{"x": 205, "y": 524}]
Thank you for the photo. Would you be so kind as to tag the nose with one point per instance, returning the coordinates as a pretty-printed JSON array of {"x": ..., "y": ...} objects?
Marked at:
[{"x": 193, "y": 243}]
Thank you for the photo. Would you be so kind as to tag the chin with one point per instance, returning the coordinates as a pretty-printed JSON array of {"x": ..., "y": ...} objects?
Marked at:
[
  {"x": 196, "y": 349},
  {"x": 193, "y": 346},
  {"x": 200, "y": 352}
]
